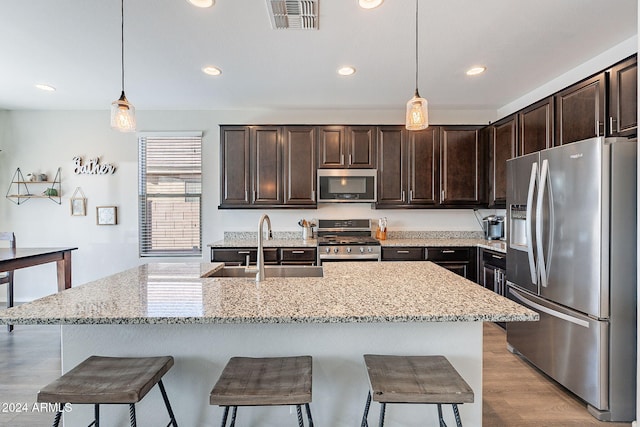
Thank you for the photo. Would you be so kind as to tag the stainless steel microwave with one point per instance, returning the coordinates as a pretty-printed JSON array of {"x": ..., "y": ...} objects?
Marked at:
[{"x": 347, "y": 185}]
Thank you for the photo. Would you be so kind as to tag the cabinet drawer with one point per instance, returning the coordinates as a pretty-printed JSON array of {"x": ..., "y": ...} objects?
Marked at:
[
  {"x": 239, "y": 255},
  {"x": 298, "y": 254},
  {"x": 494, "y": 259},
  {"x": 448, "y": 254},
  {"x": 404, "y": 253}
]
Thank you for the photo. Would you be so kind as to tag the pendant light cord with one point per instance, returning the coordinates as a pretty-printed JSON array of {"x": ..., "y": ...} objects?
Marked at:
[
  {"x": 416, "y": 47},
  {"x": 122, "y": 40}
]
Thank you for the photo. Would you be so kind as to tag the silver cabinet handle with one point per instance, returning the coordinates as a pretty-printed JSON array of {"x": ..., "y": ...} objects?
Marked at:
[
  {"x": 402, "y": 252},
  {"x": 243, "y": 252},
  {"x": 342, "y": 159},
  {"x": 297, "y": 252},
  {"x": 442, "y": 195},
  {"x": 448, "y": 251},
  {"x": 497, "y": 257},
  {"x": 350, "y": 160},
  {"x": 410, "y": 195},
  {"x": 402, "y": 195}
]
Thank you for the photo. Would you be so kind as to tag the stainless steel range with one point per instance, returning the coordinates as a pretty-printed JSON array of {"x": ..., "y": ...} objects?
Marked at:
[{"x": 346, "y": 240}]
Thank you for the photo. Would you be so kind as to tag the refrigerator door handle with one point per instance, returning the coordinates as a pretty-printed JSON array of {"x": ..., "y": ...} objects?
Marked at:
[
  {"x": 539, "y": 231},
  {"x": 527, "y": 302},
  {"x": 529, "y": 224}
]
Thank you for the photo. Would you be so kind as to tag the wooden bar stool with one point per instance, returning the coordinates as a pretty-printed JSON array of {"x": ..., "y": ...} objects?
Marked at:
[
  {"x": 109, "y": 380},
  {"x": 247, "y": 381},
  {"x": 415, "y": 379}
]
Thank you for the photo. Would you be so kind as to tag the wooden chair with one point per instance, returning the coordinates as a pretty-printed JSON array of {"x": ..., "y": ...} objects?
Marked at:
[
  {"x": 109, "y": 380},
  {"x": 415, "y": 379},
  {"x": 247, "y": 381},
  {"x": 7, "y": 277}
]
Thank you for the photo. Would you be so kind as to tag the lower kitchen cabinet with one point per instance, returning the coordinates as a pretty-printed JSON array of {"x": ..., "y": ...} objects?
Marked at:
[
  {"x": 298, "y": 256},
  {"x": 492, "y": 271},
  {"x": 460, "y": 260},
  {"x": 403, "y": 253},
  {"x": 234, "y": 256}
]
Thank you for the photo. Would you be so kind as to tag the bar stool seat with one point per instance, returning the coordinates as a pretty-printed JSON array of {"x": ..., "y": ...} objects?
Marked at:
[
  {"x": 415, "y": 379},
  {"x": 109, "y": 380},
  {"x": 247, "y": 381}
]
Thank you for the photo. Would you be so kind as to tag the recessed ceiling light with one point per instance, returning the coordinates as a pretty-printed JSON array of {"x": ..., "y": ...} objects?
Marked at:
[
  {"x": 369, "y": 4},
  {"x": 211, "y": 70},
  {"x": 202, "y": 3},
  {"x": 347, "y": 70},
  {"x": 45, "y": 87},
  {"x": 476, "y": 70}
]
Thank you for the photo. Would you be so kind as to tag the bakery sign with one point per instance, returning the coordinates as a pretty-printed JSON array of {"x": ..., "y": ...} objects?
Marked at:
[{"x": 92, "y": 167}]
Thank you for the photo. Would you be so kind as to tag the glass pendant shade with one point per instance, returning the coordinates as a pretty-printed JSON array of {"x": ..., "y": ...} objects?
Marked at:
[
  {"x": 417, "y": 113},
  {"x": 123, "y": 115}
]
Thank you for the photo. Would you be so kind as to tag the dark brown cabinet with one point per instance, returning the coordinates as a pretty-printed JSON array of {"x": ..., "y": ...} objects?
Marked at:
[
  {"x": 461, "y": 166},
  {"x": 402, "y": 253},
  {"x": 267, "y": 166},
  {"x": 502, "y": 147},
  {"x": 580, "y": 110},
  {"x": 240, "y": 256},
  {"x": 392, "y": 168},
  {"x": 535, "y": 127},
  {"x": 623, "y": 101},
  {"x": 299, "y": 165},
  {"x": 298, "y": 256},
  {"x": 347, "y": 147},
  {"x": 423, "y": 157},
  {"x": 460, "y": 260}
]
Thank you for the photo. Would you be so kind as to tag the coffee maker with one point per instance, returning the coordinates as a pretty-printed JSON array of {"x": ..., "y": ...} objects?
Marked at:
[{"x": 493, "y": 226}]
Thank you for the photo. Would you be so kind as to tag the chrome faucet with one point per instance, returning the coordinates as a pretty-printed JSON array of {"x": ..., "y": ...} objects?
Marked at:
[{"x": 259, "y": 270}]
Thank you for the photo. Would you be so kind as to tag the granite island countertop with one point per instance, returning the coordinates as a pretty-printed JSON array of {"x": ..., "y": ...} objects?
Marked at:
[{"x": 349, "y": 292}]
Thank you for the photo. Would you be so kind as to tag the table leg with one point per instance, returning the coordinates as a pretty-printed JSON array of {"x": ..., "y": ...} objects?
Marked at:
[{"x": 64, "y": 271}]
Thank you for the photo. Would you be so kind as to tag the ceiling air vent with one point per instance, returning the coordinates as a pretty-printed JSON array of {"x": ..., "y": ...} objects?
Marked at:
[{"x": 293, "y": 14}]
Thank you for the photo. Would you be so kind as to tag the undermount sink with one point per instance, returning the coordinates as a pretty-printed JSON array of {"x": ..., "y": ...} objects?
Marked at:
[{"x": 271, "y": 271}]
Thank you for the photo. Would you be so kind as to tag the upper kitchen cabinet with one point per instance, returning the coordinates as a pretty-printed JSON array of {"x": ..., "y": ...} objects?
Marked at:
[
  {"x": 461, "y": 166},
  {"x": 536, "y": 127},
  {"x": 503, "y": 137},
  {"x": 580, "y": 110},
  {"x": 267, "y": 166},
  {"x": 407, "y": 167},
  {"x": 347, "y": 147},
  {"x": 300, "y": 165},
  {"x": 623, "y": 101}
]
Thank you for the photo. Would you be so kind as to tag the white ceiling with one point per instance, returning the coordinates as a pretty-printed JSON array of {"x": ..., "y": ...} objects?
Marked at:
[{"x": 74, "y": 45}]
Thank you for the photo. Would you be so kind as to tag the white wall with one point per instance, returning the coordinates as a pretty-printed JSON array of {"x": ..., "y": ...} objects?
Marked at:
[{"x": 42, "y": 141}]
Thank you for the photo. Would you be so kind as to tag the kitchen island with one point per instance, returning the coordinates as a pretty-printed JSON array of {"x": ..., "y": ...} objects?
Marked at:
[{"x": 355, "y": 308}]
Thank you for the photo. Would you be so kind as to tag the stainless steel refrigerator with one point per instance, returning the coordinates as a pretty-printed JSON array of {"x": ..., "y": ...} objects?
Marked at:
[{"x": 571, "y": 256}]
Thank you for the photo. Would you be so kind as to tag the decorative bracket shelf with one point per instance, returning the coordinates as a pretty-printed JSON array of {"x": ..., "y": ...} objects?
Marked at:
[{"x": 19, "y": 191}]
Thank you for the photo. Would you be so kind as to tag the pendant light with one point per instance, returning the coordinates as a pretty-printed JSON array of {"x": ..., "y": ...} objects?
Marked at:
[
  {"x": 417, "y": 113},
  {"x": 123, "y": 114}
]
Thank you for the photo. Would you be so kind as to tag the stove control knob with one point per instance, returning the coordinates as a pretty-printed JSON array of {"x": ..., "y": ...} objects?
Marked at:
[
  {"x": 369, "y": 249},
  {"x": 361, "y": 250},
  {"x": 335, "y": 250},
  {"x": 348, "y": 250},
  {"x": 326, "y": 250}
]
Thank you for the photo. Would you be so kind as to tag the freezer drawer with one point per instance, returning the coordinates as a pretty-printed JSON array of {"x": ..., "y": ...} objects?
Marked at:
[{"x": 568, "y": 346}]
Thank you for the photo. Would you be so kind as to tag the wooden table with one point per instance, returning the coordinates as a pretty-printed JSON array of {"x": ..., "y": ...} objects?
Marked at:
[{"x": 14, "y": 259}]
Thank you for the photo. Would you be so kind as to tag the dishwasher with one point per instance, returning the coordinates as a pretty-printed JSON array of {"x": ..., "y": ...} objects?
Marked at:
[{"x": 493, "y": 274}]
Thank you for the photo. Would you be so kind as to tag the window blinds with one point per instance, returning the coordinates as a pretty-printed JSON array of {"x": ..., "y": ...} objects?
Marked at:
[{"x": 169, "y": 194}]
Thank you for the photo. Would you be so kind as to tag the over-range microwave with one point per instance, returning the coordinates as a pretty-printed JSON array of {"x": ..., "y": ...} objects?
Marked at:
[{"x": 347, "y": 185}]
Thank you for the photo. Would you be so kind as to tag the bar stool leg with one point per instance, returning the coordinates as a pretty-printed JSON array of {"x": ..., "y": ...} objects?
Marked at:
[
  {"x": 132, "y": 414},
  {"x": 306, "y": 405},
  {"x": 299, "y": 412},
  {"x": 383, "y": 406},
  {"x": 56, "y": 420},
  {"x": 365, "y": 423},
  {"x": 457, "y": 415},
  {"x": 167, "y": 404},
  {"x": 442, "y": 423}
]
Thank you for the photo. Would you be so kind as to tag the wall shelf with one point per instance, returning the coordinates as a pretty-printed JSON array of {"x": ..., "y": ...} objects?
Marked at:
[{"x": 19, "y": 191}]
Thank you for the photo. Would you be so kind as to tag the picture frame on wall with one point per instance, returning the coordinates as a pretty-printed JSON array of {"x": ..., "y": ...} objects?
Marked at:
[
  {"x": 106, "y": 215},
  {"x": 78, "y": 203}
]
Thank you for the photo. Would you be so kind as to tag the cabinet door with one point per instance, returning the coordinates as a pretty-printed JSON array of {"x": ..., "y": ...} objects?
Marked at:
[
  {"x": 423, "y": 160},
  {"x": 536, "y": 127},
  {"x": 235, "y": 166},
  {"x": 404, "y": 253},
  {"x": 580, "y": 111},
  {"x": 461, "y": 165},
  {"x": 502, "y": 147},
  {"x": 623, "y": 101},
  {"x": 459, "y": 268},
  {"x": 331, "y": 147},
  {"x": 299, "y": 165},
  {"x": 391, "y": 166},
  {"x": 267, "y": 165},
  {"x": 361, "y": 147}
]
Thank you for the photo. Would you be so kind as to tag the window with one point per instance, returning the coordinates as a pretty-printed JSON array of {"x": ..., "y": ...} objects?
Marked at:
[{"x": 170, "y": 194}]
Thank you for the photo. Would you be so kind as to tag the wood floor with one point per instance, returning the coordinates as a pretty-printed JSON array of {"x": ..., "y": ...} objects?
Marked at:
[{"x": 515, "y": 394}]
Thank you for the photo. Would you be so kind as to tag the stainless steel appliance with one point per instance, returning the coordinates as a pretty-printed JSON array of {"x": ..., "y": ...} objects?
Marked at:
[
  {"x": 346, "y": 185},
  {"x": 571, "y": 257},
  {"x": 347, "y": 240},
  {"x": 493, "y": 274},
  {"x": 493, "y": 226}
]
